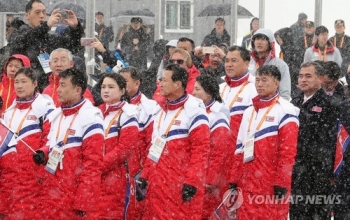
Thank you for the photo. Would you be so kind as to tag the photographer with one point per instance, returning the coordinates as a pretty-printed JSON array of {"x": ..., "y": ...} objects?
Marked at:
[{"x": 34, "y": 40}]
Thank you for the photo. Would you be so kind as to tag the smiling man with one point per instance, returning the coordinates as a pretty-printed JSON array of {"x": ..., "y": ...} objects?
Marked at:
[
  {"x": 313, "y": 169},
  {"x": 34, "y": 40}
]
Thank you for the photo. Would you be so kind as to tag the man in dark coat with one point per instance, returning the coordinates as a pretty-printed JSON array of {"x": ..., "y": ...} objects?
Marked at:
[
  {"x": 135, "y": 43},
  {"x": 218, "y": 35},
  {"x": 34, "y": 40},
  {"x": 313, "y": 170},
  {"x": 104, "y": 32},
  {"x": 342, "y": 42},
  {"x": 307, "y": 40},
  {"x": 289, "y": 54},
  {"x": 298, "y": 27}
]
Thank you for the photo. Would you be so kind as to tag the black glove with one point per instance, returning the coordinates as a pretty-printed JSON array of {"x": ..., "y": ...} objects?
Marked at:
[
  {"x": 279, "y": 192},
  {"x": 80, "y": 213},
  {"x": 232, "y": 186},
  {"x": 39, "y": 157},
  {"x": 142, "y": 183},
  {"x": 188, "y": 192}
]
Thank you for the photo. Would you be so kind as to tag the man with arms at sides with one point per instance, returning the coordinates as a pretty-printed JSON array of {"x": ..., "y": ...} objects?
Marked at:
[
  {"x": 238, "y": 90},
  {"x": 34, "y": 40},
  {"x": 263, "y": 53},
  {"x": 177, "y": 162},
  {"x": 266, "y": 149},
  {"x": 60, "y": 60},
  {"x": 72, "y": 175},
  {"x": 313, "y": 169}
]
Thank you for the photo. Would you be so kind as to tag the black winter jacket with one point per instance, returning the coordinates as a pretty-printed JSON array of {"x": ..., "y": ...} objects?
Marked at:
[{"x": 211, "y": 39}]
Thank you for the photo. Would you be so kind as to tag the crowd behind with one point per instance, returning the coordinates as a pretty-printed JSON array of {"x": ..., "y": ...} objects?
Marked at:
[{"x": 169, "y": 140}]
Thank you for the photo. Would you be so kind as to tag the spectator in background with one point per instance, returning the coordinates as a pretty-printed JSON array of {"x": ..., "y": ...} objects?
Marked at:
[
  {"x": 218, "y": 35},
  {"x": 263, "y": 53},
  {"x": 254, "y": 26},
  {"x": 169, "y": 50},
  {"x": 34, "y": 40},
  {"x": 342, "y": 42},
  {"x": 5, "y": 51},
  {"x": 7, "y": 91},
  {"x": 290, "y": 55},
  {"x": 306, "y": 41},
  {"x": 135, "y": 43},
  {"x": 60, "y": 60},
  {"x": 298, "y": 27},
  {"x": 104, "y": 33},
  {"x": 323, "y": 49},
  {"x": 188, "y": 45},
  {"x": 330, "y": 82}
]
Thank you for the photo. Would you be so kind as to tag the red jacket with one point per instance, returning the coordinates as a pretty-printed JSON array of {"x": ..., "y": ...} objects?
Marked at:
[
  {"x": 25, "y": 196},
  {"x": 275, "y": 146},
  {"x": 120, "y": 148},
  {"x": 193, "y": 72},
  {"x": 184, "y": 160},
  {"x": 220, "y": 156},
  {"x": 7, "y": 90},
  {"x": 51, "y": 90},
  {"x": 76, "y": 183}
]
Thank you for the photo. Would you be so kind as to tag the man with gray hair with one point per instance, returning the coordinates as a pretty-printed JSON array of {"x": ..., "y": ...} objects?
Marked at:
[
  {"x": 313, "y": 170},
  {"x": 60, "y": 60}
]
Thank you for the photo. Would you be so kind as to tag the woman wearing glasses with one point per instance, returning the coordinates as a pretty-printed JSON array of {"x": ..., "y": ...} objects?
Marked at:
[
  {"x": 221, "y": 147},
  {"x": 25, "y": 117},
  {"x": 182, "y": 58}
]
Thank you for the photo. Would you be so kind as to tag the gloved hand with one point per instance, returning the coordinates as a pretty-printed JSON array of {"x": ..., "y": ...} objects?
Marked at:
[
  {"x": 232, "y": 186},
  {"x": 80, "y": 213},
  {"x": 188, "y": 192},
  {"x": 142, "y": 183},
  {"x": 39, "y": 157},
  {"x": 279, "y": 192}
]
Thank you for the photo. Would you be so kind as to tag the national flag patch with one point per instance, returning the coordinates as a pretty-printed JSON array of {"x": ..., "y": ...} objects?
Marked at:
[
  {"x": 177, "y": 122},
  {"x": 316, "y": 109},
  {"x": 270, "y": 118},
  {"x": 31, "y": 117},
  {"x": 71, "y": 132},
  {"x": 239, "y": 99}
]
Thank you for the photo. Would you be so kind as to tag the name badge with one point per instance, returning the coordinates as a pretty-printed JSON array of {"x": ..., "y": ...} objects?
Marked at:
[
  {"x": 157, "y": 148},
  {"x": 54, "y": 159},
  {"x": 249, "y": 149},
  {"x": 44, "y": 60}
]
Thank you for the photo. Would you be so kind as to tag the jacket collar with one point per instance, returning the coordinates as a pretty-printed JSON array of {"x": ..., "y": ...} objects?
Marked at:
[
  {"x": 209, "y": 105},
  {"x": 25, "y": 103},
  {"x": 260, "y": 103},
  {"x": 106, "y": 109},
  {"x": 330, "y": 47},
  {"x": 136, "y": 99},
  {"x": 70, "y": 110},
  {"x": 172, "y": 105},
  {"x": 234, "y": 82}
]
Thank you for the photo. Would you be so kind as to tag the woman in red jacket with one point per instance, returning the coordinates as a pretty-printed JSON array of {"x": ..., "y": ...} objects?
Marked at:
[
  {"x": 221, "y": 147},
  {"x": 26, "y": 118},
  {"x": 121, "y": 157},
  {"x": 7, "y": 91}
]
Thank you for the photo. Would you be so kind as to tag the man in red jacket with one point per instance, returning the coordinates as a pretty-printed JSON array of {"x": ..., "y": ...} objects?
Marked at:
[
  {"x": 72, "y": 175},
  {"x": 60, "y": 59}
]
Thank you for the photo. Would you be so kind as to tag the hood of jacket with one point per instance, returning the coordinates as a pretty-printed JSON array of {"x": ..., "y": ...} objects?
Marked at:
[
  {"x": 24, "y": 59},
  {"x": 268, "y": 33}
]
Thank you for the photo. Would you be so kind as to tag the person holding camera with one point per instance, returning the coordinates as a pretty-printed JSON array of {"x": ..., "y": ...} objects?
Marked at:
[{"x": 34, "y": 40}]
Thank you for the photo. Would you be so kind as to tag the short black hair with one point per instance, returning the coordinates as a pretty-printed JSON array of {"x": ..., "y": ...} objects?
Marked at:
[
  {"x": 179, "y": 74},
  {"x": 99, "y": 13},
  {"x": 242, "y": 51},
  {"x": 29, "y": 5},
  {"x": 136, "y": 20},
  {"x": 28, "y": 72},
  {"x": 119, "y": 80},
  {"x": 220, "y": 19},
  {"x": 184, "y": 39},
  {"x": 319, "y": 70},
  {"x": 332, "y": 70},
  {"x": 134, "y": 73},
  {"x": 269, "y": 70},
  {"x": 210, "y": 86},
  {"x": 321, "y": 29},
  {"x": 77, "y": 78}
]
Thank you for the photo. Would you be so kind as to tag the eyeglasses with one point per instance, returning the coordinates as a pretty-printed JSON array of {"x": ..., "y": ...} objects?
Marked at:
[{"x": 172, "y": 61}]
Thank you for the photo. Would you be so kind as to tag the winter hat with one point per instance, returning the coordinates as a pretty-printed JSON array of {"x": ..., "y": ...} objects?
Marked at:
[
  {"x": 309, "y": 24},
  {"x": 339, "y": 22},
  {"x": 172, "y": 43}
]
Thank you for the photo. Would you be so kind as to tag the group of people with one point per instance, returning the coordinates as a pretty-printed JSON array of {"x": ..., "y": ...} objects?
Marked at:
[{"x": 178, "y": 142}]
